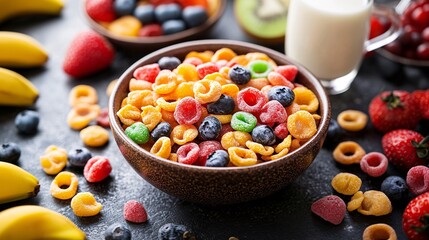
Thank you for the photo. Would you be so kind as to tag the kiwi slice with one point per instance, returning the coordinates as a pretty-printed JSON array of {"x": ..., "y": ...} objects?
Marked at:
[{"x": 262, "y": 19}]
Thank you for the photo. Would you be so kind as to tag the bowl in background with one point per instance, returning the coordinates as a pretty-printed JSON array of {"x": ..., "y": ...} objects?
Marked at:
[{"x": 218, "y": 185}]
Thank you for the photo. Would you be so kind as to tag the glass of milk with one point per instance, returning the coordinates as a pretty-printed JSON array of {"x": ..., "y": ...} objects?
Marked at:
[{"x": 330, "y": 37}]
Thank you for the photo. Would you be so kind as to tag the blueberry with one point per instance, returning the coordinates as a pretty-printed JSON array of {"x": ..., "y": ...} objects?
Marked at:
[
  {"x": 172, "y": 231},
  {"x": 282, "y": 94},
  {"x": 10, "y": 152},
  {"x": 264, "y": 135},
  {"x": 145, "y": 13},
  {"x": 218, "y": 158},
  {"x": 79, "y": 157},
  {"x": 334, "y": 133},
  {"x": 239, "y": 74},
  {"x": 194, "y": 15},
  {"x": 394, "y": 187},
  {"x": 163, "y": 129},
  {"x": 124, "y": 7},
  {"x": 169, "y": 63},
  {"x": 210, "y": 128},
  {"x": 27, "y": 122},
  {"x": 117, "y": 231},
  {"x": 225, "y": 105},
  {"x": 165, "y": 12},
  {"x": 173, "y": 26}
]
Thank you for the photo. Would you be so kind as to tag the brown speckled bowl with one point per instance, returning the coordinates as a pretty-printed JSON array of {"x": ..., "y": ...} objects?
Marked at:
[{"x": 218, "y": 185}]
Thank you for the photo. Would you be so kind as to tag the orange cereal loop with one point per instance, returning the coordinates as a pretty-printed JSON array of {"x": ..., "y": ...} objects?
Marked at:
[
  {"x": 173, "y": 157},
  {"x": 167, "y": 106},
  {"x": 258, "y": 83},
  {"x": 352, "y": 120},
  {"x": 348, "y": 152},
  {"x": 139, "y": 85},
  {"x": 282, "y": 153},
  {"x": 206, "y": 91},
  {"x": 162, "y": 148},
  {"x": 259, "y": 148},
  {"x": 257, "y": 56},
  {"x": 355, "y": 202},
  {"x": 286, "y": 143},
  {"x": 182, "y": 134},
  {"x": 225, "y": 72},
  {"x": 235, "y": 139},
  {"x": 346, "y": 183},
  {"x": 230, "y": 90},
  {"x": 83, "y": 94},
  {"x": 216, "y": 77},
  {"x": 85, "y": 205},
  {"x": 188, "y": 72},
  {"x": 127, "y": 26},
  {"x": 293, "y": 108},
  {"x": 124, "y": 102},
  {"x": 129, "y": 114},
  {"x": 223, "y": 54},
  {"x": 265, "y": 89},
  {"x": 242, "y": 157},
  {"x": 306, "y": 99},
  {"x": 379, "y": 231},
  {"x": 94, "y": 136},
  {"x": 140, "y": 98},
  {"x": 238, "y": 60},
  {"x": 54, "y": 160},
  {"x": 301, "y": 125},
  {"x": 81, "y": 115},
  {"x": 295, "y": 144},
  {"x": 64, "y": 186},
  {"x": 165, "y": 82},
  {"x": 375, "y": 203},
  {"x": 184, "y": 89},
  {"x": 204, "y": 56},
  {"x": 110, "y": 87},
  {"x": 224, "y": 119},
  {"x": 169, "y": 117},
  {"x": 151, "y": 117}
]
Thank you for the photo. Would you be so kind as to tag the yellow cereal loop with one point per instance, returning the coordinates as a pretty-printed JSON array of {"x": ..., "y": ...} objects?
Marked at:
[
  {"x": 355, "y": 202},
  {"x": 259, "y": 148},
  {"x": 182, "y": 134},
  {"x": 282, "y": 153},
  {"x": 242, "y": 157},
  {"x": 223, "y": 54},
  {"x": 165, "y": 82},
  {"x": 286, "y": 143},
  {"x": 140, "y": 98},
  {"x": 136, "y": 84},
  {"x": 151, "y": 117},
  {"x": 375, "y": 203},
  {"x": 84, "y": 204},
  {"x": 206, "y": 91},
  {"x": 167, "y": 106},
  {"x": 54, "y": 160},
  {"x": 235, "y": 139},
  {"x": 379, "y": 231},
  {"x": 301, "y": 125},
  {"x": 230, "y": 90},
  {"x": 205, "y": 56},
  {"x": 184, "y": 89},
  {"x": 162, "y": 148},
  {"x": 348, "y": 152},
  {"x": 64, "y": 186},
  {"x": 129, "y": 114},
  {"x": 110, "y": 87},
  {"x": 346, "y": 183},
  {"x": 188, "y": 72},
  {"x": 81, "y": 115},
  {"x": 218, "y": 77},
  {"x": 94, "y": 136},
  {"x": 295, "y": 144},
  {"x": 83, "y": 94},
  {"x": 224, "y": 119},
  {"x": 306, "y": 99},
  {"x": 352, "y": 120}
]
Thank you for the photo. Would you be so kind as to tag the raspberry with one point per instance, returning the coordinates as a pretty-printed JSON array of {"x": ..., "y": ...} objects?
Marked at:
[
  {"x": 135, "y": 212},
  {"x": 418, "y": 179},
  {"x": 97, "y": 168}
]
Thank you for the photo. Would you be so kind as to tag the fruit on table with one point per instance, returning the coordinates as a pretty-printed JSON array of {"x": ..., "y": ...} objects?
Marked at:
[
  {"x": 15, "y": 8},
  {"x": 10, "y": 152},
  {"x": 16, "y": 184},
  {"x": 16, "y": 90},
  {"x": 36, "y": 222},
  {"x": 416, "y": 217},
  {"x": 27, "y": 122}
]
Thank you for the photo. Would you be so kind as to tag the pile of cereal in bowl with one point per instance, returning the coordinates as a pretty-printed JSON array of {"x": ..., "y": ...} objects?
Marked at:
[{"x": 218, "y": 109}]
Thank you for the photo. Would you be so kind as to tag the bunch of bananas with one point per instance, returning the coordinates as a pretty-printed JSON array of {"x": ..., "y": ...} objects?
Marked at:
[{"x": 10, "y": 9}]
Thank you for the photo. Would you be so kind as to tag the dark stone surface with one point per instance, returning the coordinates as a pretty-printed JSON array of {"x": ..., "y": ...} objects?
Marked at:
[{"x": 284, "y": 215}]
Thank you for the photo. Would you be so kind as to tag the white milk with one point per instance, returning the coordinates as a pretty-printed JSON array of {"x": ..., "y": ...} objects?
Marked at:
[{"x": 328, "y": 36}]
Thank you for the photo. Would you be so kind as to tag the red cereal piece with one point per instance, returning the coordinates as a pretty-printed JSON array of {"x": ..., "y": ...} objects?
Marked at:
[
  {"x": 135, "y": 212},
  {"x": 100, "y": 10},
  {"x": 276, "y": 79},
  {"x": 150, "y": 30},
  {"x": 331, "y": 208},
  {"x": 225, "y": 128},
  {"x": 96, "y": 169},
  {"x": 207, "y": 148},
  {"x": 281, "y": 131},
  {"x": 374, "y": 164},
  {"x": 193, "y": 60},
  {"x": 287, "y": 71},
  {"x": 273, "y": 112},
  {"x": 103, "y": 118},
  {"x": 188, "y": 153},
  {"x": 206, "y": 68},
  {"x": 418, "y": 179},
  {"x": 147, "y": 72},
  {"x": 251, "y": 100},
  {"x": 188, "y": 111}
]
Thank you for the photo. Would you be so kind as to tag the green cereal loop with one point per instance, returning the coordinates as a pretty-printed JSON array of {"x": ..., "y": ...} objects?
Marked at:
[
  {"x": 243, "y": 121},
  {"x": 138, "y": 132},
  {"x": 259, "y": 68}
]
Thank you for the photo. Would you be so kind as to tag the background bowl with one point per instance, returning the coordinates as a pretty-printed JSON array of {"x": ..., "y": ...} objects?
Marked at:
[
  {"x": 145, "y": 44},
  {"x": 218, "y": 185}
]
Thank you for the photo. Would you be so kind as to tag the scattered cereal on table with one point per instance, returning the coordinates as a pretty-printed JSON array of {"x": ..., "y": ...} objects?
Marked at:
[
  {"x": 134, "y": 212},
  {"x": 84, "y": 204},
  {"x": 331, "y": 208},
  {"x": 97, "y": 168},
  {"x": 64, "y": 186}
]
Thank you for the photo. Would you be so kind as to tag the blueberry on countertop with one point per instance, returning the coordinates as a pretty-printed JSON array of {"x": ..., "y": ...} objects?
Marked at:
[
  {"x": 27, "y": 122},
  {"x": 79, "y": 157},
  {"x": 10, "y": 152},
  {"x": 171, "y": 231},
  {"x": 117, "y": 231},
  {"x": 395, "y": 188}
]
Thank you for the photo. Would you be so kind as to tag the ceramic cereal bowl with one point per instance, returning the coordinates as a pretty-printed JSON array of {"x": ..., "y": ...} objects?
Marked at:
[{"x": 217, "y": 185}]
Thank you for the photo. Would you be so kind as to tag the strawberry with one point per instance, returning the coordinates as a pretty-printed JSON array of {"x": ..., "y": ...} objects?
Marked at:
[
  {"x": 415, "y": 220},
  {"x": 393, "y": 110},
  {"x": 89, "y": 52},
  {"x": 100, "y": 10},
  {"x": 422, "y": 97},
  {"x": 405, "y": 148}
]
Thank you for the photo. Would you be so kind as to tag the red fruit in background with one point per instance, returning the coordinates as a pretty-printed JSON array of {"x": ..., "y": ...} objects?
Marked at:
[
  {"x": 422, "y": 97},
  {"x": 394, "y": 110},
  {"x": 405, "y": 148},
  {"x": 415, "y": 220},
  {"x": 376, "y": 27},
  {"x": 186, "y": 3},
  {"x": 88, "y": 53},
  {"x": 100, "y": 10}
]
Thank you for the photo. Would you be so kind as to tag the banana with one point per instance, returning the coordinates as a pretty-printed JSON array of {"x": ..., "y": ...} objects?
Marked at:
[
  {"x": 30, "y": 222},
  {"x": 19, "y": 50},
  {"x": 16, "y": 183},
  {"x": 12, "y": 8},
  {"x": 16, "y": 90}
]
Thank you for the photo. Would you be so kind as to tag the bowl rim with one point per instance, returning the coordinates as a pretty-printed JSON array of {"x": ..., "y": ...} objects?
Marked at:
[
  {"x": 156, "y": 39},
  {"x": 321, "y": 131}
]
